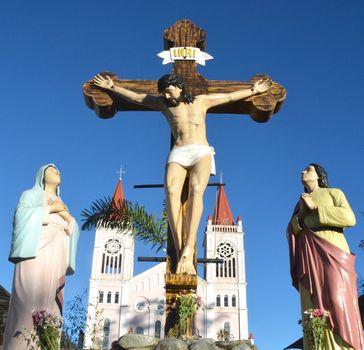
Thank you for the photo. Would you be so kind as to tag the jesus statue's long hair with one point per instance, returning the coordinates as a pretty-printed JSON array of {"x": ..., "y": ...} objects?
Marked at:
[{"x": 175, "y": 80}]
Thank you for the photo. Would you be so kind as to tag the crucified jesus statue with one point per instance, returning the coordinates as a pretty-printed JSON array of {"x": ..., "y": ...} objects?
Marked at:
[{"x": 191, "y": 154}]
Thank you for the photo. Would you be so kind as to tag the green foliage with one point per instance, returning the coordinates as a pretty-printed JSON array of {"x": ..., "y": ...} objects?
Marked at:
[
  {"x": 75, "y": 316},
  {"x": 75, "y": 322},
  {"x": 48, "y": 338},
  {"x": 185, "y": 307},
  {"x": 314, "y": 324},
  {"x": 105, "y": 213}
]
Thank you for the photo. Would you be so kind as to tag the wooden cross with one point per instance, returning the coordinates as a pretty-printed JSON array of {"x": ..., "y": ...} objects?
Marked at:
[
  {"x": 185, "y": 33},
  {"x": 260, "y": 108}
]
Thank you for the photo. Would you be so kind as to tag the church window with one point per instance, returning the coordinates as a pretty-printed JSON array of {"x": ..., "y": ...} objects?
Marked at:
[
  {"x": 117, "y": 298},
  {"x": 218, "y": 300},
  {"x": 141, "y": 304},
  {"x": 226, "y": 251},
  {"x": 233, "y": 301},
  {"x": 157, "y": 330},
  {"x": 101, "y": 296},
  {"x": 119, "y": 265},
  {"x": 161, "y": 307},
  {"x": 111, "y": 264},
  {"x": 139, "y": 330},
  {"x": 107, "y": 264},
  {"x": 105, "y": 341},
  {"x": 108, "y": 299},
  {"x": 112, "y": 257},
  {"x": 226, "y": 301},
  {"x": 103, "y": 263},
  {"x": 227, "y": 330}
]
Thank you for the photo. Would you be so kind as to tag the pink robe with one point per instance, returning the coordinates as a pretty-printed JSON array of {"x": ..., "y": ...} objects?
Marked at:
[{"x": 38, "y": 282}]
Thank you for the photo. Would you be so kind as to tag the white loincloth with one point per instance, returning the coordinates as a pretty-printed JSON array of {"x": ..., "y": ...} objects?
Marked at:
[{"x": 190, "y": 154}]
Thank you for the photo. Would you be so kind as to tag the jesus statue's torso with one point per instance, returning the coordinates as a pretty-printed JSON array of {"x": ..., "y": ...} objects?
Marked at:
[{"x": 187, "y": 122}]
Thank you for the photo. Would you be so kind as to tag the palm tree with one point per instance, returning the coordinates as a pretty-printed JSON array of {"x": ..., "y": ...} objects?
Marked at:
[{"x": 125, "y": 215}]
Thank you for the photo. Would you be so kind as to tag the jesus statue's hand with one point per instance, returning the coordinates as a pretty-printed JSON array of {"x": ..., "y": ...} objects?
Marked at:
[
  {"x": 262, "y": 85},
  {"x": 100, "y": 81}
]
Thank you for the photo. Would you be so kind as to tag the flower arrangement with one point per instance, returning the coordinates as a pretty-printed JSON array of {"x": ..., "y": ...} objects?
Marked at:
[
  {"x": 47, "y": 330},
  {"x": 314, "y": 324},
  {"x": 185, "y": 307}
]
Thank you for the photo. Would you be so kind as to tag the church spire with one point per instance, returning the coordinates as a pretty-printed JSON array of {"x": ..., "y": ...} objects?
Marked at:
[
  {"x": 222, "y": 213},
  {"x": 118, "y": 197}
]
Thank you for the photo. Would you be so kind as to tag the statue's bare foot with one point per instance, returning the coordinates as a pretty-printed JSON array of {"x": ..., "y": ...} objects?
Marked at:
[{"x": 185, "y": 264}]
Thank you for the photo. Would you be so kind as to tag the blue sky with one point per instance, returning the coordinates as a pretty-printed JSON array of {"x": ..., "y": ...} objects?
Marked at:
[{"x": 315, "y": 49}]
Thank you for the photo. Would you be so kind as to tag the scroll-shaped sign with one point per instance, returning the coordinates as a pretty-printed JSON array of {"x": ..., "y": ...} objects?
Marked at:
[{"x": 185, "y": 53}]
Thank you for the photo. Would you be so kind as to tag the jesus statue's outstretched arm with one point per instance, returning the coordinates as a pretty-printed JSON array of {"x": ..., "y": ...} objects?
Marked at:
[
  {"x": 258, "y": 87},
  {"x": 140, "y": 98}
]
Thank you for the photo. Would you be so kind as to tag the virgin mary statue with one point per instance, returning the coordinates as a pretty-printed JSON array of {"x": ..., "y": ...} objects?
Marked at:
[{"x": 43, "y": 249}]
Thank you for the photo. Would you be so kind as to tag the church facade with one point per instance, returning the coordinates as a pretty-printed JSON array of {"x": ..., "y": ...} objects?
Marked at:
[{"x": 120, "y": 302}]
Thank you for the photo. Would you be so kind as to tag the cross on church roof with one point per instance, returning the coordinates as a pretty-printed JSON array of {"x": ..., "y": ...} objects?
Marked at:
[{"x": 121, "y": 172}]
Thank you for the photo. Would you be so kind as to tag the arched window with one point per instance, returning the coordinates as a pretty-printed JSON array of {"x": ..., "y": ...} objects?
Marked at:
[
  {"x": 101, "y": 296},
  {"x": 119, "y": 263},
  {"x": 103, "y": 263},
  {"x": 227, "y": 330},
  {"x": 108, "y": 298},
  {"x": 218, "y": 300},
  {"x": 157, "y": 330},
  {"x": 105, "y": 340},
  {"x": 117, "y": 298},
  {"x": 139, "y": 330},
  {"x": 233, "y": 301},
  {"x": 226, "y": 301}
]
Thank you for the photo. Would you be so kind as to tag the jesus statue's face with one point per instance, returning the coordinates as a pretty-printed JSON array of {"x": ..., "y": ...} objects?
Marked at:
[{"x": 172, "y": 94}]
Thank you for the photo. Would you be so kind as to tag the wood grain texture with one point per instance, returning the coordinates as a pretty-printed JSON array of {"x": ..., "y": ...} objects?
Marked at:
[{"x": 259, "y": 107}]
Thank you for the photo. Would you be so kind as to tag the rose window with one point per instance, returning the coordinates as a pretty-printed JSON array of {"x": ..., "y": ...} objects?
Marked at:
[{"x": 225, "y": 250}]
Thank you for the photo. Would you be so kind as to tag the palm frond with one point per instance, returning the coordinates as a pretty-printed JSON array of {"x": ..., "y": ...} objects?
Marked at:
[{"x": 105, "y": 213}]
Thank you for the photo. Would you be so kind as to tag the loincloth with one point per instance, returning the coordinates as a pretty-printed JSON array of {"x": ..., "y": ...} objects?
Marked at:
[{"x": 190, "y": 154}]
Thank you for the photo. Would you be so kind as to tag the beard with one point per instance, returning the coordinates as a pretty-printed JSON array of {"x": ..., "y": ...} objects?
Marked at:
[{"x": 174, "y": 102}]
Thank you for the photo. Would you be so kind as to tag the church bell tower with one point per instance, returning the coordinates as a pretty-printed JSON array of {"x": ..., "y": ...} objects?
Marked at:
[
  {"x": 112, "y": 269},
  {"x": 226, "y": 297}
]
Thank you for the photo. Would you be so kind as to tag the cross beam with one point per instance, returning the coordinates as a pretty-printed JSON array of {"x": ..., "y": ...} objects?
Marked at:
[
  {"x": 163, "y": 259},
  {"x": 185, "y": 33}
]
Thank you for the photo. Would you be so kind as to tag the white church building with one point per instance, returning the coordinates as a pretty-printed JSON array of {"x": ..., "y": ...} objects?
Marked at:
[{"x": 120, "y": 302}]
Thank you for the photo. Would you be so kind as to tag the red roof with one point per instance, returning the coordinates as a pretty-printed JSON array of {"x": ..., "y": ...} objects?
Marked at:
[
  {"x": 118, "y": 197},
  {"x": 222, "y": 212}
]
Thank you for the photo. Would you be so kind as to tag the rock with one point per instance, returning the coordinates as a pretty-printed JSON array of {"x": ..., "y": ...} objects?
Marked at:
[
  {"x": 137, "y": 341},
  {"x": 234, "y": 345},
  {"x": 203, "y": 344},
  {"x": 171, "y": 344},
  {"x": 115, "y": 345},
  {"x": 245, "y": 346}
]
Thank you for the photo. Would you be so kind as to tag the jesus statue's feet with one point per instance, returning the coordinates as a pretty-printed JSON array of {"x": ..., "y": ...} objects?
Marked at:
[{"x": 185, "y": 264}]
